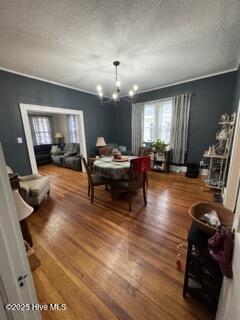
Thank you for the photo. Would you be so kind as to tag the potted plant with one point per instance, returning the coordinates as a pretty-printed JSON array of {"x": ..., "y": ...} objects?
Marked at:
[{"x": 160, "y": 146}]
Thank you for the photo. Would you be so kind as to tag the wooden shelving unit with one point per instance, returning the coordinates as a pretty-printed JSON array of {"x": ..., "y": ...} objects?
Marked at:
[{"x": 160, "y": 161}]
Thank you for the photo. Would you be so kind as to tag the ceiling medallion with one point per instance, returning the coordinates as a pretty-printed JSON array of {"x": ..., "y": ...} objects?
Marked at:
[{"x": 116, "y": 98}]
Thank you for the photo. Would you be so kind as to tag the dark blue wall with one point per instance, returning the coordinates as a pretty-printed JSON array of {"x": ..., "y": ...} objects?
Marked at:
[
  {"x": 211, "y": 97},
  {"x": 15, "y": 89}
]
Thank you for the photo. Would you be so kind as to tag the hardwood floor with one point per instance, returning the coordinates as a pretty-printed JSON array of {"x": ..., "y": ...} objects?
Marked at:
[{"x": 107, "y": 263}]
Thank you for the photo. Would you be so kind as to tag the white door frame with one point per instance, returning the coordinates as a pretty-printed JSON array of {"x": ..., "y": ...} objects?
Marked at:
[
  {"x": 14, "y": 261},
  {"x": 231, "y": 190},
  {"x": 26, "y": 108}
]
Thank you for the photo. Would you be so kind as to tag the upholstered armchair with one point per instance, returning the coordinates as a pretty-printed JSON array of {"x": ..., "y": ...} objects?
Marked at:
[{"x": 35, "y": 186}]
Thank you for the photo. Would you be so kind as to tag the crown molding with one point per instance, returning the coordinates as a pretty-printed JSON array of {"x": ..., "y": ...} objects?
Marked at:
[
  {"x": 190, "y": 80},
  {"x": 142, "y": 91},
  {"x": 48, "y": 81}
]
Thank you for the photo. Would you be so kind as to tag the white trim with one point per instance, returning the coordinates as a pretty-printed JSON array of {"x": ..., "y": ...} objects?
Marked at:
[
  {"x": 230, "y": 195},
  {"x": 178, "y": 169},
  {"x": 190, "y": 80},
  {"x": 48, "y": 81},
  {"x": 25, "y": 108}
]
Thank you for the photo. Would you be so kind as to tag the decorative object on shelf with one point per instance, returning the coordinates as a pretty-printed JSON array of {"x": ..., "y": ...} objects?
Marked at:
[
  {"x": 132, "y": 98},
  {"x": 216, "y": 157},
  {"x": 148, "y": 144}
]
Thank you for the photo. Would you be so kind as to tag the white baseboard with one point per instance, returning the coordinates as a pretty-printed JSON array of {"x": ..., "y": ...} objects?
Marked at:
[{"x": 178, "y": 169}]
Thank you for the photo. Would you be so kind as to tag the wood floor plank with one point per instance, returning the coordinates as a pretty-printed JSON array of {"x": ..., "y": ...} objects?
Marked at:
[{"x": 107, "y": 263}]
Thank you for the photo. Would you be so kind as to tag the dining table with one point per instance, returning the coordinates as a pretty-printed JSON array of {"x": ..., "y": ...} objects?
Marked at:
[{"x": 110, "y": 168}]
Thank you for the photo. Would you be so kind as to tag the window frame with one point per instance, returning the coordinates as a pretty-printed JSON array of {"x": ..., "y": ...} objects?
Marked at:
[
  {"x": 36, "y": 134},
  {"x": 157, "y": 118}
]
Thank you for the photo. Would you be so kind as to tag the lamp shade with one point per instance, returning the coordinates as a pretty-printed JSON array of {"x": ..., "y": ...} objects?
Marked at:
[
  {"x": 58, "y": 135},
  {"x": 100, "y": 142},
  {"x": 23, "y": 209}
]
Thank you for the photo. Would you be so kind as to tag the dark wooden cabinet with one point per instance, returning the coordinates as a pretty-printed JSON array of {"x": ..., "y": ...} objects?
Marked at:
[{"x": 203, "y": 277}]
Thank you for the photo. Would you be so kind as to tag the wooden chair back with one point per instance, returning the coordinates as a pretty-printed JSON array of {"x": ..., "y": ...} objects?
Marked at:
[
  {"x": 86, "y": 168},
  {"x": 138, "y": 172}
]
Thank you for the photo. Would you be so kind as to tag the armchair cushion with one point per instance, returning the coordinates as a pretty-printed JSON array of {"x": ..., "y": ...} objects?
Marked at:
[
  {"x": 30, "y": 177},
  {"x": 58, "y": 153},
  {"x": 70, "y": 154},
  {"x": 35, "y": 186}
]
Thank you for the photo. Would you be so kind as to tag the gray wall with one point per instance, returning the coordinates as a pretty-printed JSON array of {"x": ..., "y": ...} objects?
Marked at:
[
  {"x": 15, "y": 89},
  {"x": 212, "y": 97}
]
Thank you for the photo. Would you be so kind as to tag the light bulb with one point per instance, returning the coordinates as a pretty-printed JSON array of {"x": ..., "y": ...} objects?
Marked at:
[
  {"x": 135, "y": 87},
  {"x": 99, "y": 88},
  {"x": 100, "y": 94},
  {"x": 114, "y": 96},
  {"x": 131, "y": 93},
  {"x": 118, "y": 83}
]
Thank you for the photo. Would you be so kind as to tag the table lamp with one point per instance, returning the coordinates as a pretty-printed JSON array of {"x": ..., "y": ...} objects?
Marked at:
[
  {"x": 60, "y": 140},
  {"x": 23, "y": 209},
  {"x": 100, "y": 142}
]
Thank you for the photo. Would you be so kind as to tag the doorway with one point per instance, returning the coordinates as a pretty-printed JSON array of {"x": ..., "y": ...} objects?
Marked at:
[{"x": 27, "y": 109}]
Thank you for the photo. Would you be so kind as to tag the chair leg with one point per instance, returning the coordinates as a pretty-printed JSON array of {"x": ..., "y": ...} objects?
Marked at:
[
  {"x": 144, "y": 195},
  {"x": 129, "y": 201},
  {"x": 147, "y": 180},
  {"x": 88, "y": 188},
  {"x": 92, "y": 193}
]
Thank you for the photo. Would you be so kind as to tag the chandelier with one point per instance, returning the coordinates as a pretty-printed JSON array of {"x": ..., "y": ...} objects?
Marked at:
[{"x": 132, "y": 95}]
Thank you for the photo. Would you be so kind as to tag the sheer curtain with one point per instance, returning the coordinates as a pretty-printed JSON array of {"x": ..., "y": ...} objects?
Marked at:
[
  {"x": 41, "y": 128},
  {"x": 137, "y": 126},
  {"x": 179, "y": 128},
  {"x": 73, "y": 128}
]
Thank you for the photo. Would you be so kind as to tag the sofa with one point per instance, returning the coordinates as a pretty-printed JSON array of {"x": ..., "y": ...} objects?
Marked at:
[
  {"x": 43, "y": 154},
  {"x": 69, "y": 157}
]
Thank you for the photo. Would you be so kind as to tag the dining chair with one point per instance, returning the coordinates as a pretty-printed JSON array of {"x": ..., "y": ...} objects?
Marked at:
[
  {"x": 144, "y": 152},
  {"x": 93, "y": 179},
  {"x": 137, "y": 179}
]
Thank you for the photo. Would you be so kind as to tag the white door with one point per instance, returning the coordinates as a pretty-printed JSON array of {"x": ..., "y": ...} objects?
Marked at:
[
  {"x": 14, "y": 263},
  {"x": 229, "y": 304}
]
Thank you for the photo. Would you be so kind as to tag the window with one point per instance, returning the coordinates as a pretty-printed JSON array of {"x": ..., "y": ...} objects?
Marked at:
[
  {"x": 157, "y": 120},
  {"x": 41, "y": 127},
  {"x": 73, "y": 128}
]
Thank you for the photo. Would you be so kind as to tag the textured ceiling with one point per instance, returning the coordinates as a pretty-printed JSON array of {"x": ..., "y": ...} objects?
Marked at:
[{"x": 74, "y": 42}]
